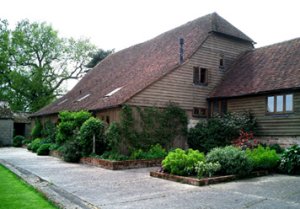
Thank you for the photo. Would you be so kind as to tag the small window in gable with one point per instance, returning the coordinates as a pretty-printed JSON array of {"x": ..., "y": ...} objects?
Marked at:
[
  {"x": 199, "y": 112},
  {"x": 221, "y": 62},
  {"x": 200, "y": 76}
]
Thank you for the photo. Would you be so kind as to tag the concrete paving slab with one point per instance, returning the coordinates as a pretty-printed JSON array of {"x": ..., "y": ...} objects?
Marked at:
[{"x": 134, "y": 188}]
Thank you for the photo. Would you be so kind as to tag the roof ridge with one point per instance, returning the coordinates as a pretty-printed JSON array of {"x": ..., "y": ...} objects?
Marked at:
[{"x": 278, "y": 43}]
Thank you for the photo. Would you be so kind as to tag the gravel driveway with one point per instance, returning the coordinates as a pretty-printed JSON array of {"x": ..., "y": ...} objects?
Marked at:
[{"x": 134, "y": 188}]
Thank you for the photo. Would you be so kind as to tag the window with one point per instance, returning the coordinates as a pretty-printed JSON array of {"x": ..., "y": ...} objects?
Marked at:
[
  {"x": 221, "y": 62},
  {"x": 199, "y": 112},
  {"x": 82, "y": 98},
  {"x": 280, "y": 103},
  {"x": 200, "y": 76},
  {"x": 107, "y": 119},
  {"x": 217, "y": 106}
]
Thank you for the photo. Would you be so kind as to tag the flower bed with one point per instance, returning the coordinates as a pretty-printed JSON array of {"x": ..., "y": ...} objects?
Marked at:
[
  {"x": 113, "y": 165},
  {"x": 203, "y": 181},
  {"x": 120, "y": 165}
]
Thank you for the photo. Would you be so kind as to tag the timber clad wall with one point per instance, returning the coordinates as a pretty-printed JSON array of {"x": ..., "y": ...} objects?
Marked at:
[
  {"x": 178, "y": 86},
  {"x": 269, "y": 125},
  {"x": 110, "y": 114}
]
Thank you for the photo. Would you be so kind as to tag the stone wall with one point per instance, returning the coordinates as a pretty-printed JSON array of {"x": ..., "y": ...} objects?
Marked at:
[{"x": 6, "y": 132}]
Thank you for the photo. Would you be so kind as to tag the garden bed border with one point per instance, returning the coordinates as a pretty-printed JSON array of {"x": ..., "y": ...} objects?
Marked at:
[
  {"x": 113, "y": 165},
  {"x": 203, "y": 181}
]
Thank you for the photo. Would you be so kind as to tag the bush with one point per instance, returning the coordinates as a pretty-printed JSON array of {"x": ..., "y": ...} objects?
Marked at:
[
  {"x": 182, "y": 162},
  {"x": 29, "y": 147},
  {"x": 206, "y": 169},
  {"x": 37, "y": 129},
  {"x": 17, "y": 141},
  {"x": 263, "y": 158},
  {"x": 113, "y": 137},
  {"x": 219, "y": 131},
  {"x": 68, "y": 128},
  {"x": 90, "y": 128},
  {"x": 26, "y": 141},
  {"x": 290, "y": 160},
  {"x": 44, "y": 149},
  {"x": 54, "y": 147},
  {"x": 35, "y": 144},
  {"x": 111, "y": 155},
  {"x": 155, "y": 152},
  {"x": 233, "y": 160},
  {"x": 277, "y": 148},
  {"x": 71, "y": 151},
  {"x": 49, "y": 132}
]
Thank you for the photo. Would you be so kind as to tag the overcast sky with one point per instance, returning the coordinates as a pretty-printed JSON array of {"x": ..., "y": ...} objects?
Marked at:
[{"x": 121, "y": 23}]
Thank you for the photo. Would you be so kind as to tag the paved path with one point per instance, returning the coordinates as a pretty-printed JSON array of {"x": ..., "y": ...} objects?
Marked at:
[{"x": 134, "y": 188}]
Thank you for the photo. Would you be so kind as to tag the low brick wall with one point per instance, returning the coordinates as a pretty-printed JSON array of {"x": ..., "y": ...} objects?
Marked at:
[
  {"x": 55, "y": 153},
  {"x": 120, "y": 165},
  {"x": 204, "y": 181}
]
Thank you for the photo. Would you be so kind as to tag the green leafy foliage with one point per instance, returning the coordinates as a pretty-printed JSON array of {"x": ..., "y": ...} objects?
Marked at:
[
  {"x": 69, "y": 126},
  {"x": 49, "y": 132},
  {"x": 181, "y": 162},
  {"x": 153, "y": 125},
  {"x": 155, "y": 152},
  {"x": 206, "y": 169},
  {"x": 36, "y": 131},
  {"x": 36, "y": 62},
  {"x": 290, "y": 160},
  {"x": 263, "y": 158},
  {"x": 233, "y": 160},
  {"x": 71, "y": 151},
  {"x": 92, "y": 128},
  {"x": 17, "y": 141},
  {"x": 35, "y": 144},
  {"x": 219, "y": 131},
  {"x": 115, "y": 156},
  {"x": 44, "y": 149},
  {"x": 98, "y": 57}
]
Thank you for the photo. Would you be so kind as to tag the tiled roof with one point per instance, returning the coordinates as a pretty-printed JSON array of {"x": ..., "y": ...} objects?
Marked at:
[
  {"x": 133, "y": 69},
  {"x": 274, "y": 67}
]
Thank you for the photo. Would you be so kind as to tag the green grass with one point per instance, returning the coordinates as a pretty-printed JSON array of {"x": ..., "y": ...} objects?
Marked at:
[{"x": 16, "y": 194}]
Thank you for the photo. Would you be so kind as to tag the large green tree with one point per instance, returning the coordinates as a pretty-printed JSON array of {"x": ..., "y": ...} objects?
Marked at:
[
  {"x": 35, "y": 62},
  {"x": 98, "y": 57}
]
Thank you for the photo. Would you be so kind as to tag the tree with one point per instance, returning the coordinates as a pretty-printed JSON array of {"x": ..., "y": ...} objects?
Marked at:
[
  {"x": 37, "y": 62},
  {"x": 98, "y": 57}
]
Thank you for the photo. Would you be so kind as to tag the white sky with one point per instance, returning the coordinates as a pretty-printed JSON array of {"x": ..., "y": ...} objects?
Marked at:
[
  {"x": 121, "y": 23},
  {"x": 117, "y": 24}
]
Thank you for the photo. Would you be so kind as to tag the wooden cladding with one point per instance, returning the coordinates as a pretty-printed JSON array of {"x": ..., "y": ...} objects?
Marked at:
[{"x": 200, "y": 76}]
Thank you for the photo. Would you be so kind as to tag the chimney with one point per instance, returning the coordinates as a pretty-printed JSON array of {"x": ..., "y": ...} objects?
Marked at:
[{"x": 181, "y": 43}]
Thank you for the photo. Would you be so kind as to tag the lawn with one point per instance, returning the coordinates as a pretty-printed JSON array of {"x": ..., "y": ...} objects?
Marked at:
[{"x": 16, "y": 194}]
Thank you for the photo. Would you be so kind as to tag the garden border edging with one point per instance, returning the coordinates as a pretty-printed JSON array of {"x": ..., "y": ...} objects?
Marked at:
[{"x": 202, "y": 181}]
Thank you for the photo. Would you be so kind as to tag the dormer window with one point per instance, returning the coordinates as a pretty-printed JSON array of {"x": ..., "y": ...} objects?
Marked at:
[
  {"x": 113, "y": 92},
  {"x": 200, "y": 76}
]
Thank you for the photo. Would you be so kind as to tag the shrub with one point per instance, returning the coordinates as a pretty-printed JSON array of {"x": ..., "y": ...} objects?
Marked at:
[
  {"x": 277, "y": 148},
  {"x": 111, "y": 155},
  {"x": 71, "y": 151},
  {"x": 182, "y": 162},
  {"x": 35, "y": 144},
  {"x": 68, "y": 128},
  {"x": 26, "y": 141},
  {"x": 263, "y": 158},
  {"x": 29, "y": 147},
  {"x": 155, "y": 152},
  {"x": 54, "y": 147},
  {"x": 17, "y": 141},
  {"x": 233, "y": 160},
  {"x": 37, "y": 129},
  {"x": 219, "y": 131},
  {"x": 290, "y": 160},
  {"x": 206, "y": 169},
  {"x": 49, "y": 132},
  {"x": 245, "y": 140},
  {"x": 113, "y": 137},
  {"x": 92, "y": 128},
  {"x": 44, "y": 149}
]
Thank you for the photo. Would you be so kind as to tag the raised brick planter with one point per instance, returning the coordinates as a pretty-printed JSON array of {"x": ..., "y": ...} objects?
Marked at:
[
  {"x": 55, "y": 153},
  {"x": 120, "y": 165},
  {"x": 204, "y": 181}
]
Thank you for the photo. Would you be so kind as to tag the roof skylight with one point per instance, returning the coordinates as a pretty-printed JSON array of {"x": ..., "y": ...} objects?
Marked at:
[
  {"x": 82, "y": 98},
  {"x": 113, "y": 92},
  {"x": 62, "y": 102}
]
